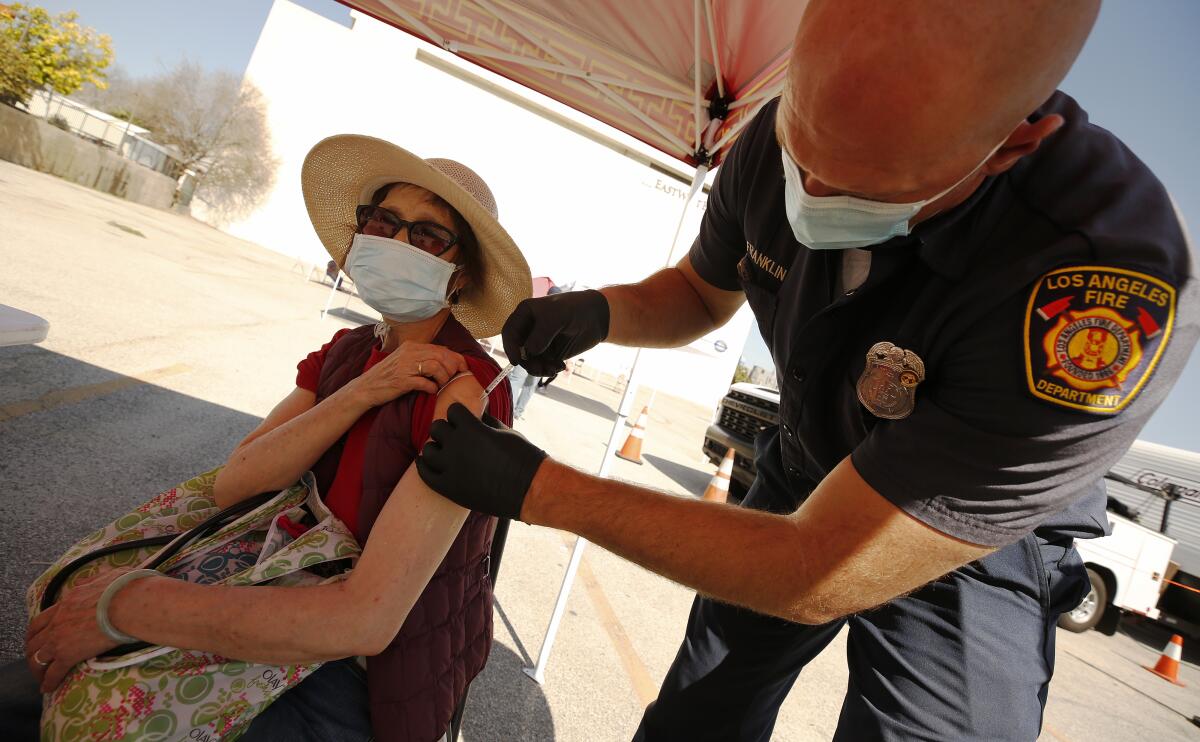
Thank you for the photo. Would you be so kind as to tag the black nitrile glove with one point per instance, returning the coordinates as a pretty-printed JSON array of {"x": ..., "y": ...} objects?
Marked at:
[
  {"x": 482, "y": 465},
  {"x": 542, "y": 333}
]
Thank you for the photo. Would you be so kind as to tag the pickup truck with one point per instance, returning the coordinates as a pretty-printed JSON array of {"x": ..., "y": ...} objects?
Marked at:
[{"x": 742, "y": 413}]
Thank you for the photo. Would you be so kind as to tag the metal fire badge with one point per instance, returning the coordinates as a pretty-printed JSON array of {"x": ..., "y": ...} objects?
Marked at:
[{"x": 888, "y": 385}]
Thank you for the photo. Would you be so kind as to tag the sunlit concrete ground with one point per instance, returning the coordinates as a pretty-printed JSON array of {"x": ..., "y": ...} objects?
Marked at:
[{"x": 169, "y": 341}]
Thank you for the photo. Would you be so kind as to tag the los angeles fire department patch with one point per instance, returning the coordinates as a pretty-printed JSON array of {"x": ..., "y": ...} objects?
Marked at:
[{"x": 1094, "y": 334}]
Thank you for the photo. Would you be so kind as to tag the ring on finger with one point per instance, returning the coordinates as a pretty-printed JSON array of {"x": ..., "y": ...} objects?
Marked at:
[
  {"x": 420, "y": 364},
  {"x": 39, "y": 660}
]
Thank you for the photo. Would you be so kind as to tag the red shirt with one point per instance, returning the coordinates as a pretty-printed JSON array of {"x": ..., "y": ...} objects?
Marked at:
[{"x": 346, "y": 491}]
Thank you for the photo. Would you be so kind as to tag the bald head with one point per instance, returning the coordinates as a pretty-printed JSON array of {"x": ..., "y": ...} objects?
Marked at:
[{"x": 898, "y": 99}]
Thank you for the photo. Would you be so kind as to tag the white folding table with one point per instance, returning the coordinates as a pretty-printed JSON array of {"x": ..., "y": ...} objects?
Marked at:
[{"x": 18, "y": 327}]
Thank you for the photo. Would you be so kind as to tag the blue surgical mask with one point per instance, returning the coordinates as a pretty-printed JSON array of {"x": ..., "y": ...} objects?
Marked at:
[
  {"x": 845, "y": 222},
  {"x": 401, "y": 282}
]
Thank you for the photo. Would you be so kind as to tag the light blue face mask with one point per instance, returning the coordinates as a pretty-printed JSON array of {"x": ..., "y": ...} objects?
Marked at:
[
  {"x": 846, "y": 222},
  {"x": 401, "y": 282}
]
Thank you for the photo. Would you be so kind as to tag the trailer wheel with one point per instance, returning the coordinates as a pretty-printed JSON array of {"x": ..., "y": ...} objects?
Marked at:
[{"x": 1090, "y": 610}]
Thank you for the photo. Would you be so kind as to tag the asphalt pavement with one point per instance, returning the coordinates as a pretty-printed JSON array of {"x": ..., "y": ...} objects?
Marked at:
[{"x": 169, "y": 341}]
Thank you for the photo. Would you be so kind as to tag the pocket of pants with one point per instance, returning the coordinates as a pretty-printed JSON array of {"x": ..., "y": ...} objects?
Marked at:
[
  {"x": 1065, "y": 580},
  {"x": 1069, "y": 582}
]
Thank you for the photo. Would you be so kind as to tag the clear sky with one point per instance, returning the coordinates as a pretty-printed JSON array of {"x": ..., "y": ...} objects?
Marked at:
[
  {"x": 150, "y": 35},
  {"x": 1139, "y": 76}
]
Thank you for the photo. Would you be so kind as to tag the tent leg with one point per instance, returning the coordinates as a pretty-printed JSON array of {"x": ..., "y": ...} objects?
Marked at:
[
  {"x": 332, "y": 293},
  {"x": 538, "y": 671}
]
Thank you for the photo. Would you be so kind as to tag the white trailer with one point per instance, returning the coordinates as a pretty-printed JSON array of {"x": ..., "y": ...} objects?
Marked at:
[
  {"x": 1150, "y": 564},
  {"x": 1127, "y": 570}
]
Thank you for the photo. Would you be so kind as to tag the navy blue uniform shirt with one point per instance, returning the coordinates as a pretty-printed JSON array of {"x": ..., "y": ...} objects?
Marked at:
[{"x": 1053, "y": 310}]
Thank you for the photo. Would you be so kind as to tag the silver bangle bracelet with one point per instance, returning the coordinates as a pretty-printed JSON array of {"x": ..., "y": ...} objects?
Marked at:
[{"x": 106, "y": 598}]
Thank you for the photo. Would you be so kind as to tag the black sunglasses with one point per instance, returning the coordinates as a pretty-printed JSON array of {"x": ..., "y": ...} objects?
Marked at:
[{"x": 428, "y": 237}]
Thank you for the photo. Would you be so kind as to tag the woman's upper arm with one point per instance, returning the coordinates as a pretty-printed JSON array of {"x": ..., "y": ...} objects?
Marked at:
[
  {"x": 296, "y": 403},
  {"x": 463, "y": 389},
  {"x": 409, "y": 538}
]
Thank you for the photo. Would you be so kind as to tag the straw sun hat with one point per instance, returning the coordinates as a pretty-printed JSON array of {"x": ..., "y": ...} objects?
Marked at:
[{"x": 343, "y": 171}]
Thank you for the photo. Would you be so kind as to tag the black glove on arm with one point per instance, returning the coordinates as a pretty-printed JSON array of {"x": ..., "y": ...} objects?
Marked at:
[
  {"x": 542, "y": 333},
  {"x": 482, "y": 465}
]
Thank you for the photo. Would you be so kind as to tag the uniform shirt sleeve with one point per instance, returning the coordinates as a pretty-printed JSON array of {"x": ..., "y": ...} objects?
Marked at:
[
  {"x": 308, "y": 371},
  {"x": 721, "y": 241},
  {"x": 981, "y": 460}
]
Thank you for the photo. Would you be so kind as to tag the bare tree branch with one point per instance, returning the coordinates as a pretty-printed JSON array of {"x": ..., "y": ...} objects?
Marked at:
[{"x": 215, "y": 122}]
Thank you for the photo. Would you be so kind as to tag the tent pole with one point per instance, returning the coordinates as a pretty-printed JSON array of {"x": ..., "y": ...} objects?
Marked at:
[
  {"x": 332, "y": 293},
  {"x": 629, "y": 108},
  {"x": 618, "y": 56},
  {"x": 767, "y": 92},
  {"x": 696, "y": 10},
  {"x": 741, "y": 124},
  {"x": 538, "y": 671},
  {"x": 481, "y": 51},
  {"x": 415, "y": 22},
  {"x": 716, "y": 57}
]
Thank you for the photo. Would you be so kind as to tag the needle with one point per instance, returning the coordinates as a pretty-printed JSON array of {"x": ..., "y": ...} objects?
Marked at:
[{"x": 504, "y": 372}]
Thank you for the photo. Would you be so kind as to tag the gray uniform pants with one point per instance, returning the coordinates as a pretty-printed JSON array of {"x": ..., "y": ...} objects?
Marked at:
[{"x": 968, "y": 657}]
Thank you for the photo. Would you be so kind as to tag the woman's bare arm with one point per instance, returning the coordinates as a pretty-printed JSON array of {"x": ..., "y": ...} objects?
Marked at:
[
  {"x": 267, "y": 624},
  {"x": 360, "y": 615},
  {"x": 299, "y": 401},
  {"x": 276, "y": 457}
]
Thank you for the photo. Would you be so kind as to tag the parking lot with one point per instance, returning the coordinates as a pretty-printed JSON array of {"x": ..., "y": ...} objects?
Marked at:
[{"x": 170, "y": 340}]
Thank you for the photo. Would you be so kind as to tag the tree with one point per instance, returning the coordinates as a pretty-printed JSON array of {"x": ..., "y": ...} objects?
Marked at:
[
  {"x": 51, "y": 52},
  {"x": 16, "y": 73},
  {"x": 217, "y": 124},
  {"x": 120, "y": 96}
]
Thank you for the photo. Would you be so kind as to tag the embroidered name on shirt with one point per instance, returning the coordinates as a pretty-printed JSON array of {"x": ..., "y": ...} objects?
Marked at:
[
  {"x": 766, "y": 264},
  {"x": 1094, "y": 334}
]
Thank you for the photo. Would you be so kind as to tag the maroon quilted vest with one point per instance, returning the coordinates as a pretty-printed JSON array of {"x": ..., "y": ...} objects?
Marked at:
[{"x": 416, "y": 683}]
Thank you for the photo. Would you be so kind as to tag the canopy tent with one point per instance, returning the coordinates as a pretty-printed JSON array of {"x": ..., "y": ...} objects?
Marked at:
[
  {"x": 631, "y": 65},
  {"x": 684, "y": 78}
]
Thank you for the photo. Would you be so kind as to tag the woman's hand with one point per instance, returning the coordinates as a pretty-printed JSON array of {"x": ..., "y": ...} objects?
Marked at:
[
  {"x": 410, "y": 367},
  {"x": 66, "y": 633}
]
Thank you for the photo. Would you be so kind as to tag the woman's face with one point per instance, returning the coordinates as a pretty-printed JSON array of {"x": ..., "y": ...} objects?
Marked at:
[{"x": 414, "y": 204}]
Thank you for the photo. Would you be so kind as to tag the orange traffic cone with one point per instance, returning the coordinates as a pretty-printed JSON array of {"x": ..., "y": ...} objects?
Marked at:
[
  {"x": 1168, "y": 662},
  {"x": 632, "y": 450},
  {"x": 718, "y": 487}
]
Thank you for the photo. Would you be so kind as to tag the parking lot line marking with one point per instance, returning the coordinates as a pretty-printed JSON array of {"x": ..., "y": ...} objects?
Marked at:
[
  {"x": 639, "y": 676},
  {"x": 76, "y": 394},
  {"x": 1119, "y": 681}
]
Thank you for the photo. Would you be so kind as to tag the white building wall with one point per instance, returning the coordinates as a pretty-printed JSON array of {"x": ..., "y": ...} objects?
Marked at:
[{"x": 580, "y": 211}]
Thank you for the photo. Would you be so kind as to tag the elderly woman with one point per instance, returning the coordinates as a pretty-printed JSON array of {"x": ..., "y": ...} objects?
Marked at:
[{"x": 421, "y": 240}]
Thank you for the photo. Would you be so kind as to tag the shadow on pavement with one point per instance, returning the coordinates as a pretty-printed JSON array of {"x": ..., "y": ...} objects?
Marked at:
[
  {"x": 579, "y": 402},
  {"x": 351, "y": 317},
  {"x": 505, "y": 704},
  {"x": 692, "y": 480},
  {"x": 1155, "y": 636},
  {"x": 79, "y": 446},
  {"x": 512, "y": 633}
]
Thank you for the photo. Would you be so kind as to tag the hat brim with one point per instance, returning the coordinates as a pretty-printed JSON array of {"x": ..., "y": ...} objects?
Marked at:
[{"x": 342, "y": 172}]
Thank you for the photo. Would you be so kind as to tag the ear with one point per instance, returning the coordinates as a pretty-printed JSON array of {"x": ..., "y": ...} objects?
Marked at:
[
  {"x": 458, "y": 284},
  {"x": 1024, "y": 140}
]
